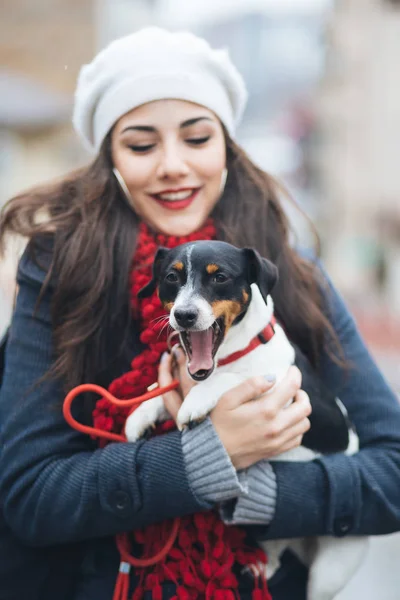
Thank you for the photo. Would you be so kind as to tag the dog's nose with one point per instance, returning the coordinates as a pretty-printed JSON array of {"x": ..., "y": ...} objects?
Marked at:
[{"x": 186, "y": 317}]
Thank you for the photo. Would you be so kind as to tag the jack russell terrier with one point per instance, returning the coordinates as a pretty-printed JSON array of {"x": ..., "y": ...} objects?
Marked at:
[{"x": 218, "y": 299}]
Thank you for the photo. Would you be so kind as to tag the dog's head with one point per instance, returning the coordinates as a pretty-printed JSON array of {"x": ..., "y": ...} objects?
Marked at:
[{"x": 205, "y": 286}]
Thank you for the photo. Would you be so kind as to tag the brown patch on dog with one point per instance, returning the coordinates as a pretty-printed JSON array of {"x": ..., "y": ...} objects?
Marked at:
[
  {"x": 228, "y": 309},
  {"x": 245, "y": 296},
  {"x": 168, "y": 306},
  {"x": 178, "y": 266},
  {"x": 212, "y": 268}
]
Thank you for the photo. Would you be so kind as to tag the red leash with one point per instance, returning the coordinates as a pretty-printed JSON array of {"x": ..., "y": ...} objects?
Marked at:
[
  {"x": 92, "y": 387},
  {"x": 127, "y": 560}
]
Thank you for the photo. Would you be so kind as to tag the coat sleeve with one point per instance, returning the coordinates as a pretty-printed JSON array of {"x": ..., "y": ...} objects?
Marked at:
[
  {"x": 55, "y": 486},
  {"x": 338, "y": 494}
]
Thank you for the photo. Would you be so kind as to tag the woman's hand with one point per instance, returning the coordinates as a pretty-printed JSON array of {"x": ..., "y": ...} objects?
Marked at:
[
  {"x": 173, "y": 366},
  {"x": 252, "y": 419}
]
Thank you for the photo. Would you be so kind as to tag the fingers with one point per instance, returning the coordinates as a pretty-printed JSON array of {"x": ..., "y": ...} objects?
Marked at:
[
  {"x": 181, "y": 372},
  {"x": 287, "y": 429},
  {"x": 297, "y": 411},
  {"x": 285, "y": 390},
  {"x": 290, "y": 445},
  {"x": 299, "y": 429},
  {"x": 254, "y": 387},
  {"x": 293, "y": 436},
  {"x": 281, "y": 441},
  {"x": 250, "y": 389},
  {"x": 172, "y": 399},
  {"x": 173, "y": 366},
  {"x": 165, "y": 376}
]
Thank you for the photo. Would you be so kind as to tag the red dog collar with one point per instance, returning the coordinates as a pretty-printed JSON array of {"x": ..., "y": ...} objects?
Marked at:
[{"x": 261, "y": 338}]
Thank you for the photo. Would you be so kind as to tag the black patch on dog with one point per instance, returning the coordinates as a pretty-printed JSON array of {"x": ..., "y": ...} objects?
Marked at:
[
  {"x": 261, "y": 271},
  {"x": 329, "y": 431},
  {"x": 148, "y": 289}
]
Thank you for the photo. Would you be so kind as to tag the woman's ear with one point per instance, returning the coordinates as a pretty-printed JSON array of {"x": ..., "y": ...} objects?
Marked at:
[
  {"x": 148, "y": 289},
  {"x": 260, "y": 271}
]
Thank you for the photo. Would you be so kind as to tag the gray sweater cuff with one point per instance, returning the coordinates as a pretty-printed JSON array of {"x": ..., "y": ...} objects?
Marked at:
[
  {"x": 257, "y": 506},
  {"x": 212, "y": 477}
]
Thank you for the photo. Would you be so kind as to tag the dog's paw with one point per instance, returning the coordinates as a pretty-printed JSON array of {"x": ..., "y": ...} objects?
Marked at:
[
  {"x": 203, "y": 397},
  {"x": 189, "y": 419},
  {"x": 193, "y": 411},
  {"x": 144, "y": 417}
]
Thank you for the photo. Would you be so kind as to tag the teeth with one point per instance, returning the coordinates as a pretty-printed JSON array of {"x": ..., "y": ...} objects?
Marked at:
[
  {"x": 216, "y": 329},
  {"x": 173, "y": 197},
  {"x": 187, "y": 342}
]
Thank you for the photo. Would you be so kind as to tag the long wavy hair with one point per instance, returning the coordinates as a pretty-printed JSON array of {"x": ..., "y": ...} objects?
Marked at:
[{"x": 93, "y": 232}]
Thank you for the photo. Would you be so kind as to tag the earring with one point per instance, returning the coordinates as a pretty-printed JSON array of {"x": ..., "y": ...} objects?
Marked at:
[
  {"x": 223, "y": 181},
  {"x": 122, "y": 185}
]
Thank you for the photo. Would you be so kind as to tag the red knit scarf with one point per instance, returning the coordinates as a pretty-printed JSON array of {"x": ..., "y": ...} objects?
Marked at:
[{"x": 206, "y": 553}]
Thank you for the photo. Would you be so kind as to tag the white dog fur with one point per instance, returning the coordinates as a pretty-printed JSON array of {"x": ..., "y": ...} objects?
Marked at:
[{"x": 332, "y": 561}]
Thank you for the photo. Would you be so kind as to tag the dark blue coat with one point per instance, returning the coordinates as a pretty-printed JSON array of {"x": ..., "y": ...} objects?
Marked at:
[{"x": 62, "y": 499}]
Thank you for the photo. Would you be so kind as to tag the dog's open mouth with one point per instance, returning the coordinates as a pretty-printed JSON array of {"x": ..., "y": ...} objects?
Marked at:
[{"x": 201, "y": 348}]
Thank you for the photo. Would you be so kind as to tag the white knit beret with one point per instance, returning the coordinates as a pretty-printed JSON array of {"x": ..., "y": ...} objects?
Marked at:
[{"x": 153, "y": 64}]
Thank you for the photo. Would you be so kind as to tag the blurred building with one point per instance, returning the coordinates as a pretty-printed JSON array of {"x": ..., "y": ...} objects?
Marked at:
[
  {"x": 43, "y": 45},
  {"x": 47, "y": 40},
  {"x": 115, "y": 18},
  {"x": 32, "y": 132},
  {"x": 359, "y": 151}
]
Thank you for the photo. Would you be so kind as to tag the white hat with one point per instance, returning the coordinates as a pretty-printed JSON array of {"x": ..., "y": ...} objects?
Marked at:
[{"x": 153, "y": 64}]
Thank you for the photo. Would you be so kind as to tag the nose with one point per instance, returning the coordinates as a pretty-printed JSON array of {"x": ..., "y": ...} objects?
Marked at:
[
  {"x": 186, "y": 317},
  {"x": 172, "y": 163}
]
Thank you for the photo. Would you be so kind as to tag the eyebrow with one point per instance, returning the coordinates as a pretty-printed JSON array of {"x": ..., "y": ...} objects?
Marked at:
[{"x": 152, "y": 129}]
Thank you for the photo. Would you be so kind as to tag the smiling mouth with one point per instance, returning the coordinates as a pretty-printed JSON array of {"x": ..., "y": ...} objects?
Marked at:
[
  {"x": 201, "y": 348},
  {"x": 176, "y": 200}
]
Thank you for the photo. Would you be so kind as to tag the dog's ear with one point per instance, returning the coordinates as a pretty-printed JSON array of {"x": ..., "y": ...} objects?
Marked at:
[
  {"x": 148, "y": 289},
  {"x": 260, "y": 271}
]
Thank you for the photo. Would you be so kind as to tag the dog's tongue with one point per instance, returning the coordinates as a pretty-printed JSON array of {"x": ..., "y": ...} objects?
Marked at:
[{"x": 201, "y": 350}]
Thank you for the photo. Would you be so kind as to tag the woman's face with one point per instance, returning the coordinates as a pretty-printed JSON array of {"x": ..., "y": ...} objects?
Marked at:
[{"x": 171, "y": 154}]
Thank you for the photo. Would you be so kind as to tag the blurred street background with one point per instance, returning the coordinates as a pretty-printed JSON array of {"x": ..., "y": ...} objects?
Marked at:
[{"x": 324, "y": 116}]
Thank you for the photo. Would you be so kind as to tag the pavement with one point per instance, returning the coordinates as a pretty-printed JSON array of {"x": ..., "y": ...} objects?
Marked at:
[{"x": 378, "y": 578}]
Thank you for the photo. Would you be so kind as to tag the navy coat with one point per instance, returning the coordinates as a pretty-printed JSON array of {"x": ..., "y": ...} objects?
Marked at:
[{"x": 62, "y": 499}]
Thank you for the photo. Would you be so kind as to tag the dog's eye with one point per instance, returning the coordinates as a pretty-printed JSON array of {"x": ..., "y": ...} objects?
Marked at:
[
  {"x": 172, "y": 277},
  {"x": 220, "y": 278}
]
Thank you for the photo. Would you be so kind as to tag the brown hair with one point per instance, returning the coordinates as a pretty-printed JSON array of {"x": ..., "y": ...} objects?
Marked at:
[{"x": 93, "y": 235}]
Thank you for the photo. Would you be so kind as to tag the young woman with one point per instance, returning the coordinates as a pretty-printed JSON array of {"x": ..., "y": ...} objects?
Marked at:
[{"x": 159, "y": 111}]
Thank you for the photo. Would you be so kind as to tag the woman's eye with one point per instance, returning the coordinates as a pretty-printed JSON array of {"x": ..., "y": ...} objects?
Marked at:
[
  {"x": 142, "y": 148},
  {"x": 172, "y": 278},
  {"x": 198, "y": 141},
  {"x": 220, "y": 278}
]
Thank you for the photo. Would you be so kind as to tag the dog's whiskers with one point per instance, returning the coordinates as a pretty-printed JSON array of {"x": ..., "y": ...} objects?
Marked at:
[
  {"x": 159, "y": 319},
  {"x": 163, "y": 328}
]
